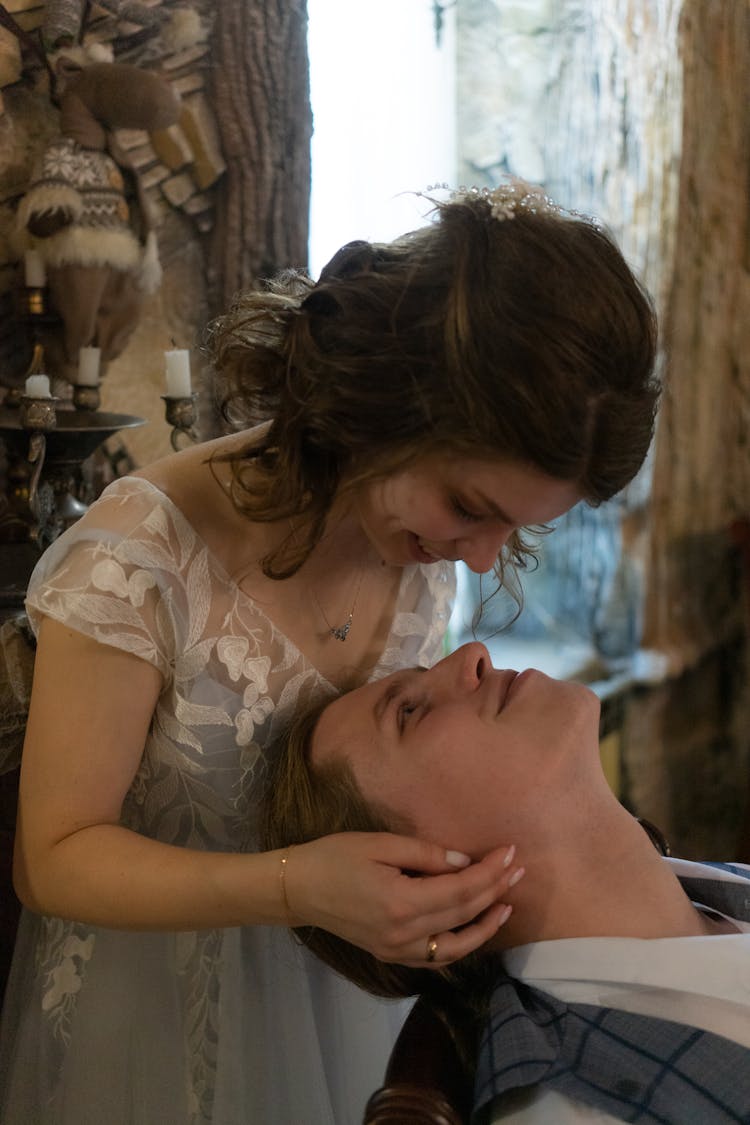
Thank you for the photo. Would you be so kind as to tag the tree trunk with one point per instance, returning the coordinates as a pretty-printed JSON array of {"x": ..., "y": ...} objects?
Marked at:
[
  {"x": 701, "y": 479},
  {"x": 261, "y": 97}
]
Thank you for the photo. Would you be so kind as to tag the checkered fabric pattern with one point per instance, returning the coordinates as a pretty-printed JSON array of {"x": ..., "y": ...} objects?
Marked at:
[{"x": 634, "y": 1067}]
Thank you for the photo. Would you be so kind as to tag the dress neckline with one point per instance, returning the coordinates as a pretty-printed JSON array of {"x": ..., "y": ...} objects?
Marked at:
[{"x": 233, "y": 585}]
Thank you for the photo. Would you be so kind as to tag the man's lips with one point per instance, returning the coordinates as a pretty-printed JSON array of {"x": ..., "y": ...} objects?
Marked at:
[
  {"x": 519, "y": 678},
  {"x": 506, "y": 682}
]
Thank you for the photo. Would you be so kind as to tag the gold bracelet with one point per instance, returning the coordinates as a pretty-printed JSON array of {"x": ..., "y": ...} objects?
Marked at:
[{"x": 282, "y": 880}]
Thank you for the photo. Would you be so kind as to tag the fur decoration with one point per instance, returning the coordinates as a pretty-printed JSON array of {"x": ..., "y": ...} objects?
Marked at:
[{"x": 84, "y": 210}]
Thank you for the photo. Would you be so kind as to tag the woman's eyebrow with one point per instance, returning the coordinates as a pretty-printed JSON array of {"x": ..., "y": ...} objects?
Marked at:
[{"x": 394, "y": 687}]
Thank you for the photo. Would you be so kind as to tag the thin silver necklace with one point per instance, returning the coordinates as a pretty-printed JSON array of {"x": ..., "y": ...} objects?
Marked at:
[{"x": 341, "y": 632}]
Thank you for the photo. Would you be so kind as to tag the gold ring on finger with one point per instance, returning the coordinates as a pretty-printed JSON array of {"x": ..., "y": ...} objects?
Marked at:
[{"x": 431, "y": 949}]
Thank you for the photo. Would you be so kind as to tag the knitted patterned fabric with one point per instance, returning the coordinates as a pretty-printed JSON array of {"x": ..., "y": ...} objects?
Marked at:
[{"x": 88, "y": 185}]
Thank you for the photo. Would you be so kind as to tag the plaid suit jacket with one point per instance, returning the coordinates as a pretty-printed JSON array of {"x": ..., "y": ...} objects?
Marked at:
[{"x": 634, "y": 1067}]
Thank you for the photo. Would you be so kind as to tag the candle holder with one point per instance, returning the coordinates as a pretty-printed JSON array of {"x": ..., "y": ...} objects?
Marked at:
[
  {"x": 179, "y": 411},
  {"x": 45, "y": 490},
  {"x": 86, "y": 396},
  {"x": 31, "y": 502},
  {"x": 14, "y": 396},
  {"x": 33, "y": 310},
  {"x": 38, "y": 414},
  {"x": 33, "y": 302}
]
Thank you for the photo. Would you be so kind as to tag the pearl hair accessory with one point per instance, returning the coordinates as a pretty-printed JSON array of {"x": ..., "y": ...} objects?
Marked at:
[{"x": 510, "y": 197}]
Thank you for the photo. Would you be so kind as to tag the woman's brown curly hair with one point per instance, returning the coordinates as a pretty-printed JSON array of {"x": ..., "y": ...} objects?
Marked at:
[{"x": 527, "y": 339}]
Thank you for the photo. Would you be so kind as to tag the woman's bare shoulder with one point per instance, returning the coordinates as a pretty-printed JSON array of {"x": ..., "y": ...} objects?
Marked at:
[
  {"x": 197, "y": 481},
  {"x": 194, "y": 476}
]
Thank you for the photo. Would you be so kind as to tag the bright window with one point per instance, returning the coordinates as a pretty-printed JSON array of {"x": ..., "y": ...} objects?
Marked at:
[
  {"x": 383, "y": 100},
  {"x": 386, "y": 97}
]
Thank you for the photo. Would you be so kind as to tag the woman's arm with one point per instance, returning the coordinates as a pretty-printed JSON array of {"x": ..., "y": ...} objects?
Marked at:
[{"x": 90, "y": 712}]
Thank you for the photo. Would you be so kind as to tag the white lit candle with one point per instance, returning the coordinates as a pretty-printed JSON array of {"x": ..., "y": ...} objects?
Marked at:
[
  {"x": 178, "y": 373},
  {"x": 36, "y": 278},
  {"x": 37, "y": 386},
  {"x": 88, "y": 367}
]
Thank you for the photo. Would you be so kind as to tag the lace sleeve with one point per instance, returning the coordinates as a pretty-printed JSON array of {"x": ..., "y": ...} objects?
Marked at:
[{"x": 125, "y": 575}]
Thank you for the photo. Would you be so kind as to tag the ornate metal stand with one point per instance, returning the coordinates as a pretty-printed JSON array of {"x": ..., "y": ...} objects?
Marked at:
[
  {"x": 38, "y": 417},
  {"x": 86, "y": 397},
  {"x": 180, "y": 415},
  {"x": 46, "y": 449},
  {"x": 46, "y": 445}
]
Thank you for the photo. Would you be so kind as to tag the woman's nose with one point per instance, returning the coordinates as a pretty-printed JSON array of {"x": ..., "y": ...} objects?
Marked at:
[{"x": 480, "y": 549}]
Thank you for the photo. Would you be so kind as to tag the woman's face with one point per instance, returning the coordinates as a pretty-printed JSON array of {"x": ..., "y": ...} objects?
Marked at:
[
  {"x": 469, "y": 755},
  {"x": 454, "y": 508}
]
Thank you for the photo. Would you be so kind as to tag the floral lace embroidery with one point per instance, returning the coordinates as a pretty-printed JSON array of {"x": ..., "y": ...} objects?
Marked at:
[
  {"x": 68, "y": 953},
  {"x": 134, "y": 574}
]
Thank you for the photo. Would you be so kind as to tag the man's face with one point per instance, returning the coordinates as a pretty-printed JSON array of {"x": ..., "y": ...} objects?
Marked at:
[{"x": 468, "y": 754}]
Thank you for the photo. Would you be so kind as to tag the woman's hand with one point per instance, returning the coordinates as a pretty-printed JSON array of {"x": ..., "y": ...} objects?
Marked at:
[{"x": 354, "y": 885}]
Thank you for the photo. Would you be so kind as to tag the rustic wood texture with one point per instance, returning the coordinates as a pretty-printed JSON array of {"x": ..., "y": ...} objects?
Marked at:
[
  {"x": 261, "y": 99},
  {"x": 701, "y": 479},
  {"x": 636, "y": 110}
]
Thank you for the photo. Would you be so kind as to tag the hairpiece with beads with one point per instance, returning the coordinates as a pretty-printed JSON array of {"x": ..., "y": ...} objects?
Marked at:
[{"x": 510, "y": 197}]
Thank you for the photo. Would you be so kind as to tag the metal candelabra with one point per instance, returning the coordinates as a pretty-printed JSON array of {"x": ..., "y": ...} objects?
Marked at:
[
  {"x": 47, "y": 443},
  {"x": 179, "y": 411}
]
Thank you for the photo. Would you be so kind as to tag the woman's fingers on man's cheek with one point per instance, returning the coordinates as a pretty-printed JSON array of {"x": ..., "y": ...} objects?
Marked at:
[
  {"x": 472, "y": 911},
  {"x": 501, "y": 859},
  {"x": 471, "y": 937},
  {"x": 451, "y": 945},
  {"x": 515, "y": 875}
]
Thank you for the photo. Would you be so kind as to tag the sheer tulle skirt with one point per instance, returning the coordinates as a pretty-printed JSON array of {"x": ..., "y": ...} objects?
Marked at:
[{"x": 227, "y": 1027}]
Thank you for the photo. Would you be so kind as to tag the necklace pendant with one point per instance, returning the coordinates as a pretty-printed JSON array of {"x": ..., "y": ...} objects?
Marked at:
[{"x": 341, "y": 632}]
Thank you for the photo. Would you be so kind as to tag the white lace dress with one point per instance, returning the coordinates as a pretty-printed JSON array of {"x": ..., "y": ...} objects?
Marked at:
[{"x": 233, "y": 1027}]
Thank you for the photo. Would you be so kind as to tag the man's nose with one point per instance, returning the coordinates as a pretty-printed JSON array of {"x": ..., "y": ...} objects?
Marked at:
[
  {"x": 463, "y": 669},
  {"x": 480, "y": 549}
]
